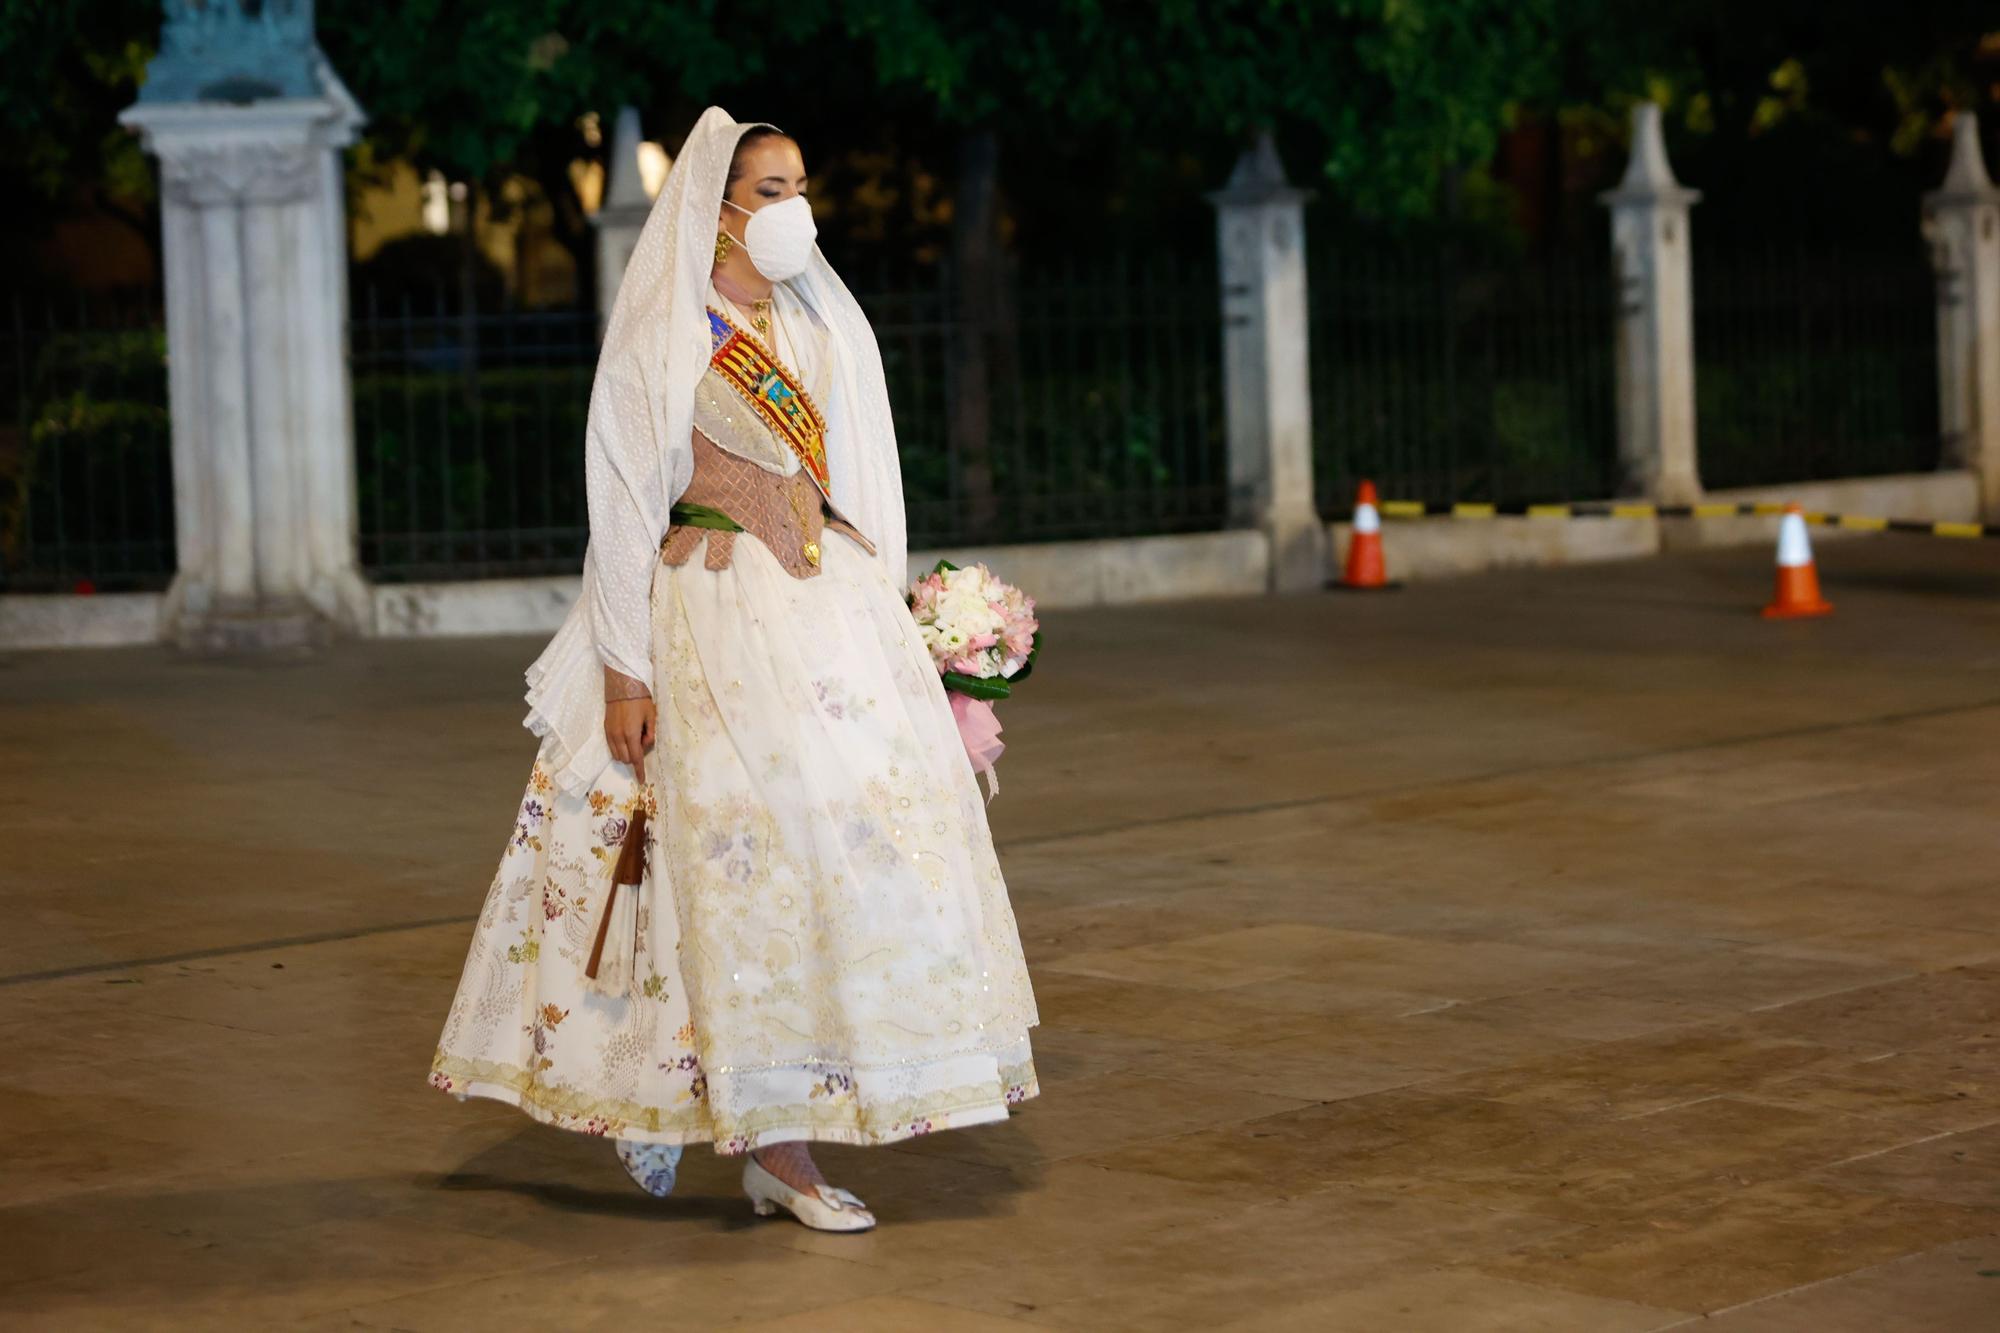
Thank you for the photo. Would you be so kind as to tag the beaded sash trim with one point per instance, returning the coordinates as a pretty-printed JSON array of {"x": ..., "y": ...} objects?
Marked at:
[{"x": 773, "y": 392}]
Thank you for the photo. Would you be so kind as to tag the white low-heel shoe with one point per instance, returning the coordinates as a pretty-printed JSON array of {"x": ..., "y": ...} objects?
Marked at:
[{"x": 826, "y": 1208}]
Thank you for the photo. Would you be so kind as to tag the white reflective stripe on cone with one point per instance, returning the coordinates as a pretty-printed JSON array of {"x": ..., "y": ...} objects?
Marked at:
[
  {"x": 1793, "y": 547},
  {"x": 1367, "y": 520}
]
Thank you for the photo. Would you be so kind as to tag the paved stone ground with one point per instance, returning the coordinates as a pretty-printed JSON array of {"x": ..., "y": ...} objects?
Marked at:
[{"x": 1552, "y": 951}]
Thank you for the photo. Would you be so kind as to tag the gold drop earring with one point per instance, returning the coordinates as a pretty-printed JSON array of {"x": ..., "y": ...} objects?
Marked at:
[{"x": 723, "y": 240}]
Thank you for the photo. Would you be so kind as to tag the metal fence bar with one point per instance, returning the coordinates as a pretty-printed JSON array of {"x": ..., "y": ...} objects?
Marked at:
[
  {"x": 469, "y": 437},
  {"x": 1103, "y": 419},
  {"x": 1444, "y": 376},
  {"x": 1449, "y": 375},
  {"x": 1815, "y": 364},
  {"x": 1093, "y": 381}
]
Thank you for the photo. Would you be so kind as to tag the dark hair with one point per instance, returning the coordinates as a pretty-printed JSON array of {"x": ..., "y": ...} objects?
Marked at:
[{"x": 751, "y": 138}]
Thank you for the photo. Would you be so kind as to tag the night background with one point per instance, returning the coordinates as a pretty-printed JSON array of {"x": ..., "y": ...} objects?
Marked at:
[
  {"x": 989, "y": 179},
  {"x": 1500, "y": 830},
  {"x": 1095, "y": 127}
]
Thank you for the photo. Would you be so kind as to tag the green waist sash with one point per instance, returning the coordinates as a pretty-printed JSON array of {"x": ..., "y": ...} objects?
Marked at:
[{"x": 690, "y": 515}]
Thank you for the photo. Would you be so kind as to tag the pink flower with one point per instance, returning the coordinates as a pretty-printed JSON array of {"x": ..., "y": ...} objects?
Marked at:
[{"x": 972, "y": 623}]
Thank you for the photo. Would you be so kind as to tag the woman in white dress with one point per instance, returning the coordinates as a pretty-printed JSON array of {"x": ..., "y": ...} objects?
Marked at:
[{"x": 750, "y": 898}]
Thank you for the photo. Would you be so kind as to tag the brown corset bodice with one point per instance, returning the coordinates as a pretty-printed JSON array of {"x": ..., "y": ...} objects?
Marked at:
[{"x": 787, "y": 514}]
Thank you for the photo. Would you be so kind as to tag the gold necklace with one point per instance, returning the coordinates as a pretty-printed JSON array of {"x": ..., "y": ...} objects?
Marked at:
[
  {"x": 797, "y": 493},
  {"x": 758, "y": 311},
  {"x": 758, "y": 315},
  {"x": 771, "y": 313},
  {"x": 762, "y": 322}
]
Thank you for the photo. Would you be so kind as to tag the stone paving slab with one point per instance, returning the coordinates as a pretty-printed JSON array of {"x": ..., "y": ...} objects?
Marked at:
[{"x": 1537, "y": 951}]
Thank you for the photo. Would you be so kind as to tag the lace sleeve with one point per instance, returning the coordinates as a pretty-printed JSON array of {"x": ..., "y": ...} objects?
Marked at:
[{"x": 622, "y": 486}]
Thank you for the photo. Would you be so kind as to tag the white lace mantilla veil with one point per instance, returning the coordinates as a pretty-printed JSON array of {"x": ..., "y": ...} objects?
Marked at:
[{"x": 637, "y": 456}]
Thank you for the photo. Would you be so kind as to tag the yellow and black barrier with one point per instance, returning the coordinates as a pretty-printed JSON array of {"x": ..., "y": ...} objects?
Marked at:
[{"x": 1413, "y": 509}]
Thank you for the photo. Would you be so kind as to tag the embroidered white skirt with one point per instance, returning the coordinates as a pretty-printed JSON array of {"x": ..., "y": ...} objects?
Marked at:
[{"x": 825, "y": 945}]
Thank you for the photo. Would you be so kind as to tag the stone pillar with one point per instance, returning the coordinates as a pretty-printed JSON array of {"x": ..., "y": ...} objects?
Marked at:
[
  {"x": 1260, "y": 232},
  {"x": 1655, "y": 321},
  {"x": 1962, "y": 224},
  {"x": 623, "y": 213},
  {"x": 255, "y": 246}
]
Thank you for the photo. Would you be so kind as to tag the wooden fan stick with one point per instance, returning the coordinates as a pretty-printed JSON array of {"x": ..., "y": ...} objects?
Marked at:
[{"x": 631, "y": 869}]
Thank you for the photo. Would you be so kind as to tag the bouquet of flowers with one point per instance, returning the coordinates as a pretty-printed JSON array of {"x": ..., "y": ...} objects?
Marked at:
[{"x": 983, "y": 638}]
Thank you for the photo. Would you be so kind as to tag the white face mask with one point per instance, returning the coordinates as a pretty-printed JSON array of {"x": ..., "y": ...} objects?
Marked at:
[{"x": 779, "y": 237}]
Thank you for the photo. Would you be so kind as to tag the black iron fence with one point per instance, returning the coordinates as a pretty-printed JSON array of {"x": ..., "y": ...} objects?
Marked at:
[
  {"x": 1442, "y": 377},
  {"x": 1813, "y": 364},
  {"x": 86, "y": 475},
  {"x": 1100, "y": 414},
  {"x": 468, "y": 429},
  {"x": 1086, "y": 403},
  {"x": 1102, "y": 407}
]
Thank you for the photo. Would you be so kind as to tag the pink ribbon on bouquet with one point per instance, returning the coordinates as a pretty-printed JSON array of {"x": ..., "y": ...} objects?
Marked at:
[{"x": 980, "y": 731}]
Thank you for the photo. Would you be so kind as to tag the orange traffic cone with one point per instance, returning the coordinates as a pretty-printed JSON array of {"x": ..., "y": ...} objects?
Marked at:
[
  {"x": 1798, "y": 581},
  {"x": 1364, "y": 548}
]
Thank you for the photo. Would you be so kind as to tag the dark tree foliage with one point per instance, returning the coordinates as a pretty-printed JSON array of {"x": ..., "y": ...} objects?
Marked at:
[{"x": 1105, "y": 119}]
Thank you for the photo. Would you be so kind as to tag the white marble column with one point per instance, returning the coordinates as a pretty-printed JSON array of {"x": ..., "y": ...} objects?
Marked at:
[
  {"x": 1655, "y": 333},
  {"x": 1260, "y": 231},
  {"x": 280, "y": 494},
  {"x": 225, "y": 452},
  {"x": 256, "y": 282},
  {"x": 1962, "y": 224},
  {"x": 623, "y": 213}
]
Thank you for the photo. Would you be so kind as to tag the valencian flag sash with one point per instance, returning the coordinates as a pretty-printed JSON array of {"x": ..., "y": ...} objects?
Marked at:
[{"x": 772, "y": 392}]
